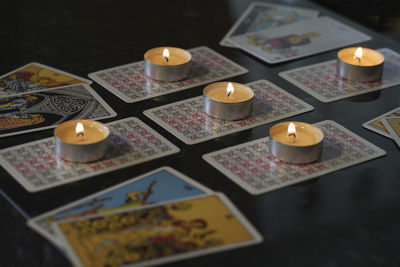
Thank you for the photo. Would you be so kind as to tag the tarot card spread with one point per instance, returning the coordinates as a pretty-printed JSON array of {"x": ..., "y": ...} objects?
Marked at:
[
  {"x": 163, "y": 184},
  {"x": 157, "y": 234},
  {"x": 260, "y": 16},
  {"x": 251, "y": 165},
  {"x": 129, "y": 82},
  {"x": 377, "y": 126},
  {"x": 46, "y": 109},
  {"x": 322, "y": 82},
  {"x": 300, "y": 39},
  {"x": 36, "y": 166},
  {"x": 36, "y": 77},
  {"x": 187, "y": 120}
]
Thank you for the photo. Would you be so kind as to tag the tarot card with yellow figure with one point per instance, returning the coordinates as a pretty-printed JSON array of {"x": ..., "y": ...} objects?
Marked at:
[
  {"x": 35, "y": 77},
  {"x": 377, "y": 125},
  {"x": 392, "y": 124},
  {"x": 157, "y": 234}
]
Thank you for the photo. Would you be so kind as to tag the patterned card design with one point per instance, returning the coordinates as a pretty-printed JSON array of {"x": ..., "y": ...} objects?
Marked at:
[
  {"x": 36, "y": 167},
  {"x": 251, "y": 165},
  {"x": 129, "y": 82},
  {"x": 187, "y": 120},
  {"x": 322, "y": 82}
]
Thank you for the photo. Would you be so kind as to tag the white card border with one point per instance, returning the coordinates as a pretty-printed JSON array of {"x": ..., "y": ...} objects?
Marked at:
[
  {"x": 392, "y": 132},
  {"x": 33, "y": 189},
  {"x": 323, "y": 99},
  {"x": 257, "y": 238},
  {"x": 245, "y": 186},
  {"x": 87, "y": 81},
  {"x": 225, "y": 41},
  {"x": 87, "y": 87},
  {"x": 117, "y": 93},
  {"x": 311, "y": 53},
  {"x": 32, "y": 223},
  {"x": 188, "y": 141},
  {"x": 380, "y": 117}
]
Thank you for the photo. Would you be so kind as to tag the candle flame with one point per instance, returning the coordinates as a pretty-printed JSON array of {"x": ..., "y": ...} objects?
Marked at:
[
  {"x": 358, "y": 54},
  {"x": 166, "y": 54},
  {"x": 79, "y": 129},
  {"x": 291, "y": 130},
  {"x": 230, "y": 89}
]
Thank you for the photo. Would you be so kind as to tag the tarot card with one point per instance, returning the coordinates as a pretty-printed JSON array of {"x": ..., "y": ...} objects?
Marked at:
[
  {"x": 35, "y": 77},
  {"x": 377, "y": 125},
  {"x": 260, "y": 16},
  {"x": 300, "y": 39},
  {"x": 129, "y": 82},
  {"x": 36, "y": 166},
  {"x": 255, "y": 169},
  {"x": 187, "y": 120},
  {"x": 160, "y": 185},
  {"x": 392, "y": 124},
  {"x": 157, "y": 234},
  {"x": 46, "y": 109}
]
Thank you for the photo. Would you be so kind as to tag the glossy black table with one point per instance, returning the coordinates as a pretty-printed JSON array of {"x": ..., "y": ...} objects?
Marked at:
[{"x": 346, "y": 218}]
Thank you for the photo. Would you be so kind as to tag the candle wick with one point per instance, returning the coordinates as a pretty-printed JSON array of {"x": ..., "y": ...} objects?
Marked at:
[
  {"x": 80, "y": 134},
  {"x": 229, "y": 93},
  {"x": 166, "y": 59},
  {"x": 359, "y": 59},
  {"x": 292, "y": 134}
]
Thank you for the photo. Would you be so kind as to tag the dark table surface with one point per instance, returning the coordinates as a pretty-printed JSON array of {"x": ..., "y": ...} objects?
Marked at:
[{"x": 347, "y": 218}]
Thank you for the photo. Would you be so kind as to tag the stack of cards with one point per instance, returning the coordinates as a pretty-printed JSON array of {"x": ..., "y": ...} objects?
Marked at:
[
  {"x": 277, "y": 34},
  {"x": 387, "y": 125},
  {"x": 155, "y": 218}
]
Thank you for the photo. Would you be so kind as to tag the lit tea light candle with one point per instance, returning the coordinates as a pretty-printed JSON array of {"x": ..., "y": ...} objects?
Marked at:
[
  {"x": 81, "y": 140},
  {"x": 228, "y": 100},
  {"x": 360, "y": 64},
  {"x": 167, "y": 63},
  {"x": 296, "y": 142}
]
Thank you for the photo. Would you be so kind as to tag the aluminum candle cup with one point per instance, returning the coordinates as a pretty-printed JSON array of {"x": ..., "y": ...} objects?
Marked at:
[
  {"x": 234, "y": 104},
  {"x": 79, "y": 145},
  {"x": 365, "y": 68},
  {"x": 304, "y": 146},
  {"x": 167, "y": 63}
]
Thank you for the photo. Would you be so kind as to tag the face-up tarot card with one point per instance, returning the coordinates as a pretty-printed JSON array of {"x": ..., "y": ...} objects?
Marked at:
[
  {"x": 377, "y": 125},
  {"x": 129, "y": 82},
  {"x": 321, "y": 80},
  {"x": 157, "y": 234},
  {"x": 36, "y": 166},
  {"x": 188, "y": 122},
  {"x": 163, "y": 184},
  {"x": 35, "y": 77},
  {"x": 260, "y": 16},
  {"x": 300, "y": 39},
  {"x": 392, "y": 124},
  {"x": 46, "y": 109},
  {"x": 252, "y": 166}
]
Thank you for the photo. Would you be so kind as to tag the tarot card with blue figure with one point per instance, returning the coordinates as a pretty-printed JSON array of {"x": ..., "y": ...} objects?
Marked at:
[
  {"x": 163, "y": 184},
  {"x": 300, "y": 39},
  {"x": 260, "y": 16},
  {"x": 46, "y": 109}
]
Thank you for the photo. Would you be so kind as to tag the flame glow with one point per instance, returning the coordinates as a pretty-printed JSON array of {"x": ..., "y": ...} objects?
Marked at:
[
  {"x": 358, "y": 54},
  {"x": 230, "y": 89},
  {"x": 291, "y": 129},
  {"x": 165, "y": 53},
  {"x": 79, "y": 129}
]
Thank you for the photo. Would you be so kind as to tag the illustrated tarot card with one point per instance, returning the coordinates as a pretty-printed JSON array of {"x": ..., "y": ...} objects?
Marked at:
[
  {"x": 35, "y": 77},
  {"x": 300, "y": 39},
  {"x": 260, "y": 16},
  {"x": 392, "y": 124},
  {"x": 376, "y": 124},
  {"x": 160, "y": 185},
  {"x": 46, "y": 109},
  {"x": 157, "y": 234}
]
